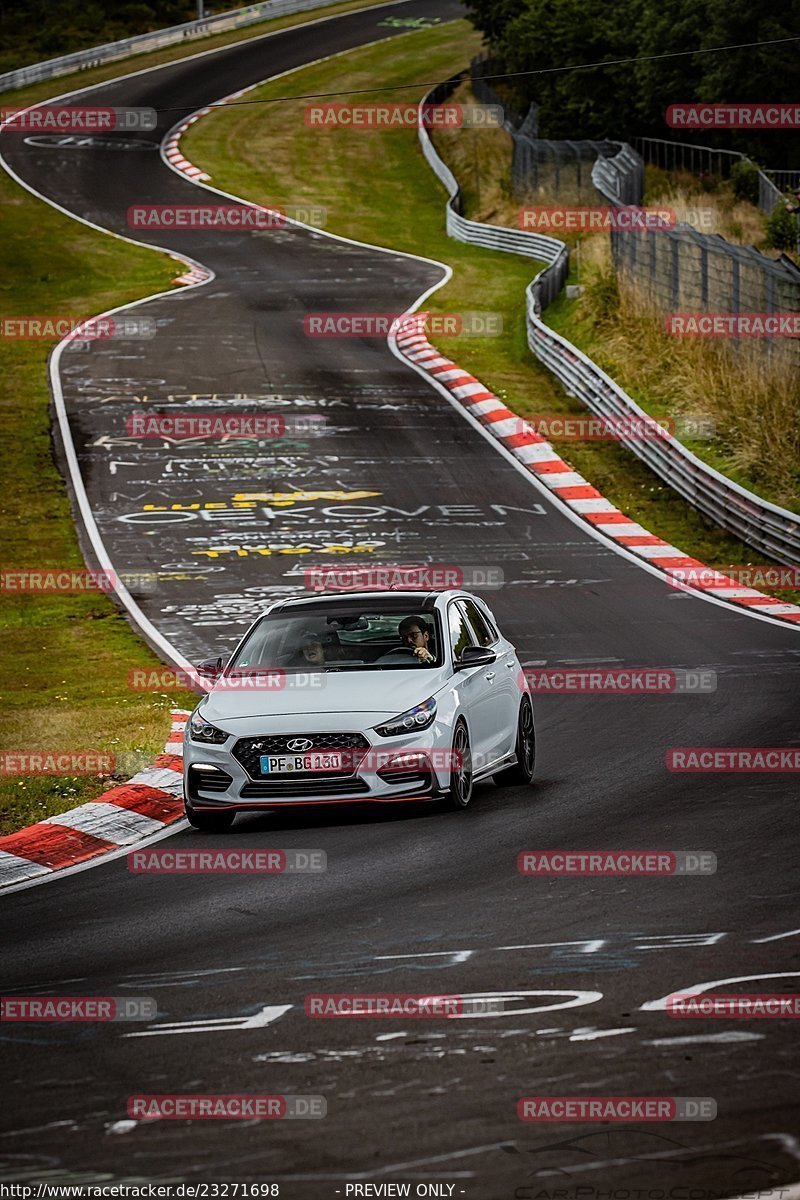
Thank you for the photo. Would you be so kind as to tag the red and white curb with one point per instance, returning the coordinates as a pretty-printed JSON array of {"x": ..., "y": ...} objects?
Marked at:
[
  {"x": 143, "y": 806},
  {"x": 529, "y": 448},
  {"x": 540, "y": 458},
  {"x": 170, "y": 147},
  {"x": 174, "y": 158},
  {"x": 172, "y": 151},
  {"x": 195, "y": 274}
]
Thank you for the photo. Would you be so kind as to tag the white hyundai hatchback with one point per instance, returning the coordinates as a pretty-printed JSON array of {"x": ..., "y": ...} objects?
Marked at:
[{"x": 360, "y": 697}]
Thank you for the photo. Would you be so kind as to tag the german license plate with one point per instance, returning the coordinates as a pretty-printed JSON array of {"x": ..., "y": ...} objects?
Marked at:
[{"x": 314, "y": 760}]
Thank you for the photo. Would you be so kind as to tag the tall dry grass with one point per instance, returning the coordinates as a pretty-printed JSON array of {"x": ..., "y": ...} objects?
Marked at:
[
  {"x": 753, "y": 403},
  {"x": 708, "y": 209}
]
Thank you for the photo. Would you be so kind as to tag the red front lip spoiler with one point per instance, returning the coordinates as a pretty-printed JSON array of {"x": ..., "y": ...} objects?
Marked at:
[{"x": 271, "y": 806}]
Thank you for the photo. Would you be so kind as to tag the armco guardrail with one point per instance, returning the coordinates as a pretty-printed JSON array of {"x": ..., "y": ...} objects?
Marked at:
[
  {"x": 81, "y": 60},
  {"x": 772, "y": 530},
  {"x": 620, "y": 177},
  {"x": 549, "y": 282}
]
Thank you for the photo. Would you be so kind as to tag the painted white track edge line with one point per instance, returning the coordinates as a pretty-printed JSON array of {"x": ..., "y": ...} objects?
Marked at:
[
  {"x": 171, "y": 653},
  {"x": 576, "y": 519},
  {"x": 337, "y": 237},
  {"x": 391, "y": 341},
  {"x": 558, "y": 502},
  {"x": 91, "y": 87},
  {"x": 69, "y": 447}
]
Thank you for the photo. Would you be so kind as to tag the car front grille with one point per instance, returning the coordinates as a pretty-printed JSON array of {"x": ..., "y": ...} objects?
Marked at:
[
  {"x": 412, "y": 775},
  {"x": 208, "y": 781},
  {"x": 285, "y": 788},
  {"x": 248, "y": 751}
]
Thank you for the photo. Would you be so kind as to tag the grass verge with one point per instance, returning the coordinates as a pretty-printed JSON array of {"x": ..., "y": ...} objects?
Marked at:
[
  {"x": 378, "y": 188},
  {"x": 66, "y": 658}
]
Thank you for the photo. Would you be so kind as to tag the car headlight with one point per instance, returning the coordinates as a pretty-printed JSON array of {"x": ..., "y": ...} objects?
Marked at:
[
  {"x": 201, "y": 731},
  {"x": 419, "y": 717}
]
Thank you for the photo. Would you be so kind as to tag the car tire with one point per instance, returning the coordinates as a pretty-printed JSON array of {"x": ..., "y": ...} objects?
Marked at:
[
  {"x": 209, "y": 822},
  {"x": 459, "y": 793},
  {"x": 523, "y": 769}
]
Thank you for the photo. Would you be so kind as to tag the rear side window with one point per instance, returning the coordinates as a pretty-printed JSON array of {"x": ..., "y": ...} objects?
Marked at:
[
  {"x": 483, "y": 632},
  {"x": 460, "y": 632}
]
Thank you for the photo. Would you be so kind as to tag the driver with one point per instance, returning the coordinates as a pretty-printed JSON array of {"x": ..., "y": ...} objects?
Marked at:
[{"x": 414, "y": 634}]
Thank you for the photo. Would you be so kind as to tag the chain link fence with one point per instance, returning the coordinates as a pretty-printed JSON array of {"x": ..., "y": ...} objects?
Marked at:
[
  {"x": 675, "y": 270},
  {"x": 705, "y": 160},
  {"x": 680, "y": 271},
  {"x": 787, "y": 181},
  {"x": 771, "y": 530},
  {"x": 541, "y": 167}
]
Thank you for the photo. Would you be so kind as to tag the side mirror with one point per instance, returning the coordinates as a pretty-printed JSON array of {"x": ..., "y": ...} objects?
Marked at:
[
  {"x": 211, "y": 669},
  {"x": 475, "y": 656}
]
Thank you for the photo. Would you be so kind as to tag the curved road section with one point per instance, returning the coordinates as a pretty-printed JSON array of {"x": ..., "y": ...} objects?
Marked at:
[{"x": 410, "y": 902}]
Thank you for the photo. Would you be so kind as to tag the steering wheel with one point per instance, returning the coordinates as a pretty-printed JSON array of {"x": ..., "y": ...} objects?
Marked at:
[{"x": 404, "y": 651}]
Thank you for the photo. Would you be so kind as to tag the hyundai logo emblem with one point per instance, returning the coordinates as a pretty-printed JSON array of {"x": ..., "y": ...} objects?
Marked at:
[{"x": 299, "y": 744}]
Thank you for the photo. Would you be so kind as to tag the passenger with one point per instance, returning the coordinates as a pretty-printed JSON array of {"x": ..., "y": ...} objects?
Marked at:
[{"x": 313, "y": 650}]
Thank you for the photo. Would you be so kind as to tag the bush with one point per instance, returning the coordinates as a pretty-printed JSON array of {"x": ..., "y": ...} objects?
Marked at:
[
  {"x": 781, "y": 229},
  {"x": 744, "y": 178}
]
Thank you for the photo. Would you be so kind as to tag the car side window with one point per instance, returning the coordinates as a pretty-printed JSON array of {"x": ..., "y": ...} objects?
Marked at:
[
  {"x": 490, "y": 621},
  {"x": 479, "y": 623},
  {"x": 460, "y": 632}
]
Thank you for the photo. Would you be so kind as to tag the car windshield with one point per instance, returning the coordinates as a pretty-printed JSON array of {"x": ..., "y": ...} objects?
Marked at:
[{"x": 341, "y": 639}]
